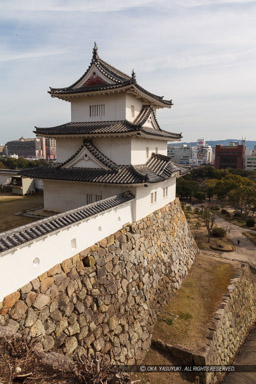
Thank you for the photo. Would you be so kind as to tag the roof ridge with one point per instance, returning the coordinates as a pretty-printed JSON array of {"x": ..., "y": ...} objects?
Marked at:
[
  {"x": 29, "y": 232},
  {"x": 99, "y": 155}
]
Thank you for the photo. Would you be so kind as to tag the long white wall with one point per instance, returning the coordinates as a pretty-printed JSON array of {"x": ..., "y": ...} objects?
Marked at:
[{"x": 24, "y": 264}]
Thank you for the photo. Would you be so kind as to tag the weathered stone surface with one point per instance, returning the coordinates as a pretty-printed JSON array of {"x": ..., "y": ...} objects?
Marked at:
[
  {"x": 27, "y": 288},
  {"x": 37, "y": 329},
  {"x": 67, "y": 265},
  {"x": 19, "y": 310},
  {"x": 113, "y": 323},
  {"x": 46, "y": 283},
  {"x": 36, "y": 284},
  {"x": 31, "y": 318},
  {"x": 74, "y": 329},
  {"x": 31, "y": 296},
  {"x": 48, "y": 343},
  {"x": 71, "y": 345},
  {"x": 83, "y": 333},
  {"x": 41, "y": 301},
  {"x": 54, "y": 270},
  {"x": 9, "y": 302},
  {"x": 63, "y": 324}
]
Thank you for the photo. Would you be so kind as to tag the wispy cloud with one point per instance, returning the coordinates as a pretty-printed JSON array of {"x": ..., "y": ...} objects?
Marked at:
[{"x": 201, "y": 53}]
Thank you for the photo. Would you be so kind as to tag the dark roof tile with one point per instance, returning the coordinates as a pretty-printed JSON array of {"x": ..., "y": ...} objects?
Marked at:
[{"x": 18, "y": 236}]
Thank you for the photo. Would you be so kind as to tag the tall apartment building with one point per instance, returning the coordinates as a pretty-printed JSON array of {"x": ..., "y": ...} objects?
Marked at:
[
  {"x": 250, "y": 160},
  {"x": 35, "y": 148},
  {"x": 27, "y": 148},
  {"x": 180, "y": 153},
  {"x": 230, "y": 156}
]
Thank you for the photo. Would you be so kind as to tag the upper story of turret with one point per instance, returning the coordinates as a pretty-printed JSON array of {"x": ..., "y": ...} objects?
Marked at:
[{"x": 103, "y": 93}]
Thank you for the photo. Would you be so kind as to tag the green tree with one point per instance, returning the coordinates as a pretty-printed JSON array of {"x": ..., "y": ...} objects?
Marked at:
[
  {"x": 187, "y": 188},
  {"x": 209, "y": 220}
]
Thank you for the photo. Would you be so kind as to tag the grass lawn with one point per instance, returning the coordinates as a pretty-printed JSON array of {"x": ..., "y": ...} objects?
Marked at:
[
  {"x": 10, "y": 204},
  {"x": 184, "y": 319}
]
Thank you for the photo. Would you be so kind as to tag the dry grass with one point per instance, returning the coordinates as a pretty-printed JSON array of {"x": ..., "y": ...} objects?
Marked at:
[
  {"x": 10, "y": 204},
  {"x": 155, "y": 357},
  {"x": 184, "y": 319}
]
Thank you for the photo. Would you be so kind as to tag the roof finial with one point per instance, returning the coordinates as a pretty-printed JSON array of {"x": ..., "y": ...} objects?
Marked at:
[
  {"x": 133, "y": 75},
  {"x": 95, "y": 50}
]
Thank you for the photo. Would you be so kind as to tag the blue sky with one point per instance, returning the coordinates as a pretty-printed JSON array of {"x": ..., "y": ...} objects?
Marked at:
[{"x": 200, "y": 53}]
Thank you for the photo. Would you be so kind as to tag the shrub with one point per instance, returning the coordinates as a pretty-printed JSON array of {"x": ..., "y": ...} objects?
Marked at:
[
  {"x": 200, "y": 196},
  {"x": 218, "y": 232},
  {"x": 215, "y": 208},
  {"x": 237, "y": 214},
  {"x": 250, "y": 222},
  {"x": 224, "y": 211}
]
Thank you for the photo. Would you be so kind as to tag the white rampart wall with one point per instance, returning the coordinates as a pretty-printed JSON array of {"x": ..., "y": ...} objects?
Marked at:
[
  {"x": 25, "y": 263},
  {"x": 19, "y": 266}
]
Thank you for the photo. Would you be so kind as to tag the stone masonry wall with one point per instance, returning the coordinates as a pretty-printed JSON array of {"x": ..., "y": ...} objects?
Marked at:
[
  {"x": 232, "y": 321},
  {"x": 104, "y": 298}
]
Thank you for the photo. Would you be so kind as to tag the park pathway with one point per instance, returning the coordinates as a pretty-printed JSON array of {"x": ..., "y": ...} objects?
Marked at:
[
  {"x": 246, "y": 250},
  {"x": 247, "y": 356}
]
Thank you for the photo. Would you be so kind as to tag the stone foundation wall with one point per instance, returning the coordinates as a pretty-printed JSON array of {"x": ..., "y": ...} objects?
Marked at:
[
  {"x": 104, "y": 299},
  {"x": 232, "y": 321}
]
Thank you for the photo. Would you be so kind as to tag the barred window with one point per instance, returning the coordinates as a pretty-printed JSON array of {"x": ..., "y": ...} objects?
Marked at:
[
  {"x": 97, "y": 110},
  {"x": 98, "y": 197},
  {"x": 89, "y": 198}
]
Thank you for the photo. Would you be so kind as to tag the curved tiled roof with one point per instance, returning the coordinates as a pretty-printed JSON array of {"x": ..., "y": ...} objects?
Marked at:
[
  {"x": 106, "y": 128},
  {"x": 119, "y": 80},
  {"x": 158, "y": 168},
  {"x": 95, "y": 152},
  {"x": 18, "y": 236}
]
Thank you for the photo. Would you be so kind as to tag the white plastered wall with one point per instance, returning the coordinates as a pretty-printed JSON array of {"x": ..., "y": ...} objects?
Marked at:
[
  {"x": 67, "y": 147},
  {"x": 19, "y": 266},
  {"x": 138, "y": 149},
  {"x": 115, "y": 148},
  {"x": 60, "y": 196},
  {"x": 137, "y": 103},
  {"x": 143, "y": 205},
  {"x": 114, "y": 108},
  {"x": 5, "y": 179}
]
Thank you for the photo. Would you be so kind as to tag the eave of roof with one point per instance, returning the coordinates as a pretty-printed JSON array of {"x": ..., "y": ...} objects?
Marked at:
[
  {"x": 121, "y": 81},
  {"x": 157, "y": 169},
  {"x": 105, "y": 128}
]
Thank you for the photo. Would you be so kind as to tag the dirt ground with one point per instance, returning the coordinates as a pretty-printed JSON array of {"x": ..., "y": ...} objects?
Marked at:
[
  {"x": 10, "y": 204},
  {"x": 185, "y": 318}
]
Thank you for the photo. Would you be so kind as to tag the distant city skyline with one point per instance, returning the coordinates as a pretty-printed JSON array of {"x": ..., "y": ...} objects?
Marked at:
[{"x": 199, "y": 53}]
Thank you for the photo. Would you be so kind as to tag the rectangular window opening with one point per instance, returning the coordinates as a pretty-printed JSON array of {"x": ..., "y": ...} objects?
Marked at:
[
  {"x": 147, "y": 152},
  {"x": 98, "y": 197},
  {"x": 73, "y": 244},
  {"x": 97, "y": 110},
  {"x": 132, "y": 110},
  {"x": 89, "y": 198}
]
